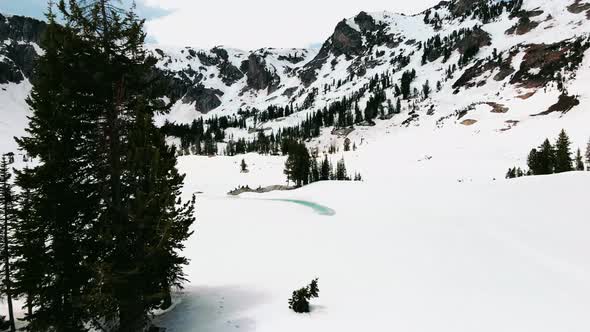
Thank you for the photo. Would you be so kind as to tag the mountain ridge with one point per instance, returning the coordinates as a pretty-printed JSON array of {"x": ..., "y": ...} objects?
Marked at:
[{"x": 487, "y": 52}]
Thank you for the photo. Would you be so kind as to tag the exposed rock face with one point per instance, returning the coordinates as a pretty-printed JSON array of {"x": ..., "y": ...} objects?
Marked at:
[
  {"x": 346, "y": 40},
  {"x": 221, "y": 53},
  {"x": 477, "y": 38},
  {"x": 185, "y": 86},
  {"x": 21, "y": 29},
  {"x": 541, "y": 62},
  {"x": 308, "y": 74},
  {"x": 564, "y": 104},
  {"x": 229, "y": 73},
  {"x": 17, "y": 57},
  {"x": 294, "y": 59},
  {"x": 24, "y": 57},
  {"x": 205, "y": 99},
  {"x": 524, "y": 25},
  {"x": 365, "y": 21},
  {"x": 462, "y": 7},
  {"x": 259, "y": 76},
  {"x": 469, "y": 77},
  {"x": 9, "y": 73},
  {"x": 578, "y": 6}
]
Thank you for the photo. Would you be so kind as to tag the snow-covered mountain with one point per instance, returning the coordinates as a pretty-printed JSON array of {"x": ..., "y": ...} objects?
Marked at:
[{"x": 492, "y": 66}]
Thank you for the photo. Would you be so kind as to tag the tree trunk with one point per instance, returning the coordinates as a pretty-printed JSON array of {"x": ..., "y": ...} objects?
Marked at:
[
  {"x": 7, "y": 269},
  {"x": 131, "y": 317},
  {"x": 29, "y": 306},
  {"x": 167, "y": 303}
]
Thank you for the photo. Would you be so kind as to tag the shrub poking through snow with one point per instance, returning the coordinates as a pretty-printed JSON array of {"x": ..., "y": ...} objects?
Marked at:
[{"x": 299, "y": 302}]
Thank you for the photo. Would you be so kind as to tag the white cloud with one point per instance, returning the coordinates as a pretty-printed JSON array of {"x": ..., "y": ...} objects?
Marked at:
[{"x": 252, "y": 24}]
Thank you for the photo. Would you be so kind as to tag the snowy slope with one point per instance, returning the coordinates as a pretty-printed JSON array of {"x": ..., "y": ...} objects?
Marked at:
[
  {"x": 434, "y": 239},
  {"x": 404, "y": 256}
]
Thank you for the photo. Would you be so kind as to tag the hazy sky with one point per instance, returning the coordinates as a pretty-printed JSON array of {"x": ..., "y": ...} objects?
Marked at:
[{"x": 245, "y": 24}]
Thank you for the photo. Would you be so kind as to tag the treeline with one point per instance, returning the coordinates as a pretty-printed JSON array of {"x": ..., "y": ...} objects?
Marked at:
[
  {"x": 202, "y": 137},
  {"x": 552, "y": 158},
  {"x": 92, "y": 233},
  {"x": 303, "y": 168}
]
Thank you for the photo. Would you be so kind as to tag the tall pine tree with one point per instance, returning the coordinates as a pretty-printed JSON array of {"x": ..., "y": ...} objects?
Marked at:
[
  {"x": 106, "y": 187},
  {"x": 563, "y": 155},
  {"x": 7, "y": 213},
  {"x": 30, "y": 268},
  {"x": 66, "y": 193}
]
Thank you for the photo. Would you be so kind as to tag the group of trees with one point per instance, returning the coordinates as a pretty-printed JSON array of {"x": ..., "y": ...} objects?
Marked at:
[
  {"x": 91, "y": 238},
  {"x": 204, "y": 137},
  {"x": 303, "y": 168},
  {"x": 552, "y": 158}
]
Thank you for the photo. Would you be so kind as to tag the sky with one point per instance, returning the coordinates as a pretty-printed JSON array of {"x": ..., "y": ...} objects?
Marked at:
[{"x": 243, "y": 24}]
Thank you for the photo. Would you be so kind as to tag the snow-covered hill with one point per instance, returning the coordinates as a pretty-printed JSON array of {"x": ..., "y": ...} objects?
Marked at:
[
  {"x": 434, "y": 238},
  {"x": 409, "y": 255},
  {"x": 488, "y": 65}
]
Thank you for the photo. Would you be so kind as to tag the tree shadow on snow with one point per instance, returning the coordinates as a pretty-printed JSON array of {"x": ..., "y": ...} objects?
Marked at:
[{"x": 212, "y": 309}]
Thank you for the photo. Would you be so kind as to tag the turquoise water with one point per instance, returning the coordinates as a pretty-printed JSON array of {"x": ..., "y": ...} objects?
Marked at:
[{"x": 318, "y": 208}]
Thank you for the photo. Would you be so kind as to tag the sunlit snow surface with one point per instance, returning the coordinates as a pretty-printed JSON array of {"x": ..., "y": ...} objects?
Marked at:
[{"x": 400, "y": 254}]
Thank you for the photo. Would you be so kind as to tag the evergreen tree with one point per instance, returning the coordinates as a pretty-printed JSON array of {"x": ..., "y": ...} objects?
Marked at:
[
  {"x": 347, "y": 144},
  {"x": 426, "y": 89},
  {"x": 341, "y": 171},
  {"x": 243, "y": 166},
  {"x": 299, "y": 301},
  {"x": 511, "y": 174},
  {"x": 588, "y": 155},
  {"x": 30, "y": 268},
  {"x": 579, "y": 161},
  {"x": 546, "y": 159},
  {"x": 297, "y": 166},
  {"x": 314, "y": 175},
  {"x": 60, "y": 137},
  {"x": 563, "y": 158},
  {"x": 7, "y": 213},
  {"x": 106, "y": 187},
  {"x": 325, "y": 169}
]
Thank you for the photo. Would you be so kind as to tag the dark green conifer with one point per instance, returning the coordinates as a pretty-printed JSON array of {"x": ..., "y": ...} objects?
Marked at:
[
  {"x": 563, "y": 155},
  {"x": 7, "y": 215}
]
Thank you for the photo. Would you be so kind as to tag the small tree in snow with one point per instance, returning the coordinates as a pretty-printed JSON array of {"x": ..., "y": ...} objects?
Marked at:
[
  {"x": 299, "y": 301},
  {"x": 347, "y": 144},
  {"x": 243, "y": 166}
]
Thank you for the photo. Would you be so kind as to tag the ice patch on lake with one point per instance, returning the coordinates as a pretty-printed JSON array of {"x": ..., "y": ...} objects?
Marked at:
[{"x": 318, "y": 208}]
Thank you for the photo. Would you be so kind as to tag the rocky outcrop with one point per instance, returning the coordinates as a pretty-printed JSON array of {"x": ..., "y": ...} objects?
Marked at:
[
  {"x": 180, "y": 86},
  {"x": 10, "y": 73},
  {"x": 541, "y": 62},
  {"x": 470, "y": 76},
  {"x": 346, "y": 40},
  {"x": 564, "y": 104},
  {"x": 462, "y": 7},
  {"x": 475, "y": 39},
  {"x": 365, "y": 22},
  {"x": 21, "y": 28},
  {"x": 24, "y": 56},
  {"x": 229, "y": 73},
  {"x": 204, "y": 99},
  {"x": 524, "y": 26},
  {"x": 17, "y": 56},
  {"x": 259, "y": 76}
]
